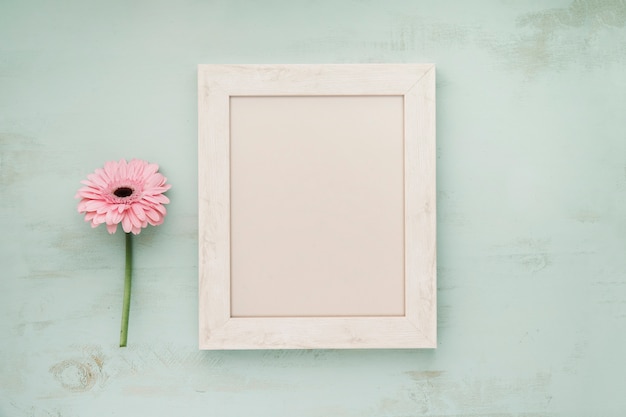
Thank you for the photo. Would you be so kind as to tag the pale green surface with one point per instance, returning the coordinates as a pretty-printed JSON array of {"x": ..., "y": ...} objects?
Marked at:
[{"x": 532, "y": 209}]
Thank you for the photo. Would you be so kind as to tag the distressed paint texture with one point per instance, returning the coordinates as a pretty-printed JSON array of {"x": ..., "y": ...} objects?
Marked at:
[{"x": 531, "y": 188}]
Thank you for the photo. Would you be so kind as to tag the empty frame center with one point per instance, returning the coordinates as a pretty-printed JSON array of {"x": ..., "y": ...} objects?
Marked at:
[{"x": 317, "y": 206}]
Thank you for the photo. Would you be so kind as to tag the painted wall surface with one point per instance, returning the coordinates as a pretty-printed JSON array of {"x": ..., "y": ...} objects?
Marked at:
[{"x": 531, "y": 192}]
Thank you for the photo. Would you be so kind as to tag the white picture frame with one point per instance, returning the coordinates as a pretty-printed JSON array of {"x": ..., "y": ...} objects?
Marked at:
[{"x": 232, "y": 132}]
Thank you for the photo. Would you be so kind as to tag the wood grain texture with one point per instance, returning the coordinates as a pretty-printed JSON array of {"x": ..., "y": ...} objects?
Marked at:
[
  {"x": 531, "y": 196},
  {"x": 421, "y": 206}
]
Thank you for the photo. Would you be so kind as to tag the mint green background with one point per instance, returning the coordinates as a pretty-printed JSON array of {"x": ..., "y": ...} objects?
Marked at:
[{"x": 531, "y": 217}]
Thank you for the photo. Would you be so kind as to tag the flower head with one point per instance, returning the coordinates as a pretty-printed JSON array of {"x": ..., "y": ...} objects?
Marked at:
[{"x": 130, "y": 193}]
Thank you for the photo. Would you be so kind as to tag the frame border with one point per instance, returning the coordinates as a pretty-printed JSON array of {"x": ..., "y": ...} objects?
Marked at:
[{"x": 418, "y": 327}]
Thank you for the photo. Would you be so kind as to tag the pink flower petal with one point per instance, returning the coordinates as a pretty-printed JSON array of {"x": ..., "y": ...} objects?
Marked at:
[
  {"x": 149, "y": 170},
  {"x": 111, "y": 170},
  {"x": 121, "y": 170},
  {"x": 139, "y": 212},
  {"x": 126, "y": 224},
  {"x": 133, "y": 218},
  {"x": 99, "y": 218},
  {"x": 156, "y": 199},
  {"x": 89, "y": 194},
  {"x": 161, "y": 209}
]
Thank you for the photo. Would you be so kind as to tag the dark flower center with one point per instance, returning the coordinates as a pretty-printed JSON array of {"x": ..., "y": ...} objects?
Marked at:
[{"x": 123, "y": 192}]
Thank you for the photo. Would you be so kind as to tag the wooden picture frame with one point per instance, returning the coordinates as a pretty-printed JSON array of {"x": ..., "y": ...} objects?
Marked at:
[{"x": 317, "y": 206}]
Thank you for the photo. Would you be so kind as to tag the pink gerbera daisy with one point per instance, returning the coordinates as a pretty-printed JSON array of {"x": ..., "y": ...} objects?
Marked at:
[{"x": 130, "y": 193}]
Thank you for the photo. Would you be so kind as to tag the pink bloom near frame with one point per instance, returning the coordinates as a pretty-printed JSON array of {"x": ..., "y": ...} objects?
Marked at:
[
  {"x": 127, "y": 193},
  {"x": 130, "y": 193}
]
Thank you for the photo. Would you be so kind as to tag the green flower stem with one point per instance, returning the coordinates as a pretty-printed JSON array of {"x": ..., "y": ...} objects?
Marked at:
[{"x": 127, "y": 282}]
